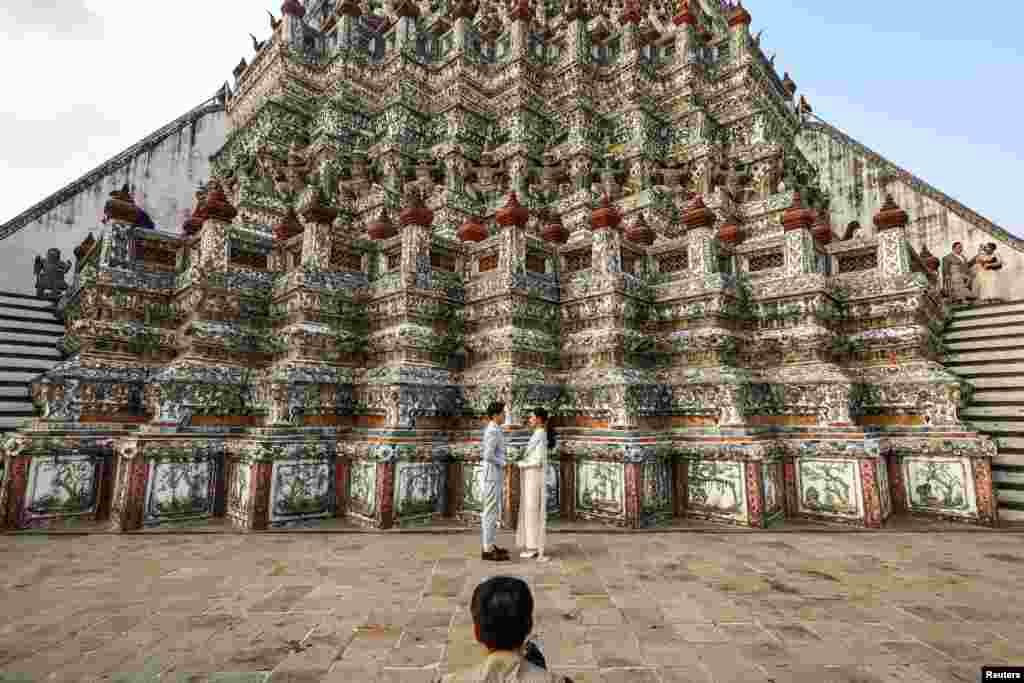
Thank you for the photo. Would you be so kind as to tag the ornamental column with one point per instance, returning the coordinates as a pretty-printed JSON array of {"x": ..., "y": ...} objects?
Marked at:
[
  {"x": 415, "y": 220},
  {"x": 699, "y": 221},
  {"x": 348, "y": 12},
  {"x": 797, "y": 221},
  {"x": 891, "y": 226},
  {"x": 316, "y": 238},
  {"x": 685, "y": 33},
  {"x": 604, "y": 221},
  {"x": 213, "y": 242},
  {"x": 405, "y": 34},
  {"x": 464, "y": 12},
  {"x": 293, "y": 31},
  {"x": 631, "y": 39},
  {"x": 520, "y": 15},
  {"x": 739, "y": 27}
]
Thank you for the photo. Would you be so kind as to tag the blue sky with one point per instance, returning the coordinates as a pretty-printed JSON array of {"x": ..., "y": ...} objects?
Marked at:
[{"x": 934, "y": 87}]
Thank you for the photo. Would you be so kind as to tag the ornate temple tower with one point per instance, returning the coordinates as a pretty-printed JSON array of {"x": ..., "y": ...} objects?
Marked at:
[{"x": 425, "y": 206}]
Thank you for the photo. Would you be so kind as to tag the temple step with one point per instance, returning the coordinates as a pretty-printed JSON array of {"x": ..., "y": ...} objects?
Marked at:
[
  {"x": 998, "y": 330},
  {"x": 975, "y": 412},
  {"x": 995, "y": 366},
  {"x": 986, "y": 356},
  {"x": 1000, "y": 428},
  {"x": 985, "y": 321},
  {"x": 11, "y": 423},
  {"x": 997, "y": 396},
  {"x": 992, "y": 383},
  {"x": 15, "y": 299},
  {"x": 993, "y": 345},
  {"x": 29, "y": 333},
  {"x": 989, "y": 310},
  {"x": 31, "y": 325},
  {"x": 15, "y": 391},
  {"x": 985, "y": 346},
  {"x": 22, "y": 313},
  {"x": 27, "y": 352}
]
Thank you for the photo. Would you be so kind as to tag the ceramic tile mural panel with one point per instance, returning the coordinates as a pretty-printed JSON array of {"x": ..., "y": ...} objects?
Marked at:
[
  {"x": 552, "y": 481},
  {"x": 472, "y": 487},
  {"x": 362, "y": 488},
  {"x": 179, "y": 491},
  {"x": 943, "y": 486},
  {"x": 830, "y": 487},
  {"x": 718, "y": 488},
  {"x": 599, "y": 487},
  {"x": 885, "y": 495},
  {"x": 418, "y": 489},
  {"x": 301, "y": 490},
  {"x": 771, "y": 477},
  {"x": 655, "y": 491},
  {"x": 61, "y": 487}
]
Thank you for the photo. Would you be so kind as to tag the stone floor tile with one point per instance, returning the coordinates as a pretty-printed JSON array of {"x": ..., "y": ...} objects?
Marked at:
[
  {"x": 629, "y": 676},
  {"x": 409, "y": 675}
]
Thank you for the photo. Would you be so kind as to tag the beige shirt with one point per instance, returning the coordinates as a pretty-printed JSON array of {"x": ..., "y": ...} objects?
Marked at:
[{"x": 505, "y": 667}]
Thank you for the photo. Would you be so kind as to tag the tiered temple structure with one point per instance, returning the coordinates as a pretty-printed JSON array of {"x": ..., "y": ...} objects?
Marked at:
[{"x": 425, "y": 206}]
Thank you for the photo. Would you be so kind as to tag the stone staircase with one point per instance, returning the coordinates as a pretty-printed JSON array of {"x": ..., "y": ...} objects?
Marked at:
[
  {"x": 985, "y": 345},
  {"x": 29, "y": 332}
]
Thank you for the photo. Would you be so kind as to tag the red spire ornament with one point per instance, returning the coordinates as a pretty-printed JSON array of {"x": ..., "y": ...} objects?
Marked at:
[
  {"x": 472, "y": 230},
  {"x": 729, "y": 232},
  {"x": 217, "y": 205},
  {"x": 121, "y": 207},
  {"x": 381, "y": 228},
  {"x": 890, "y": 215},
  {"x": 684, "y": 16},
  {"x": 822, "y": 229},
  {"x": 739, "y": 16},
  {"x": 796, "y": 217},
  {"x": 293, "y": 8},
  {"x": 931, "y": 262},
  {"x": 605, "y": 215},
  {"x": 513, "y": 213},
  {"x": 415, "y": 211},
  {"x": 639, "y": 232},
  {"x": 553, "y": 230},
  {"x": 697, "y": 215},
  {"x": 288, "y": 226}
]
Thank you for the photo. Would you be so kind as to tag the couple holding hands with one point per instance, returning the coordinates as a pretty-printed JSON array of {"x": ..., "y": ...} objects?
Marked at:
[{"x": 530, "y": 530}]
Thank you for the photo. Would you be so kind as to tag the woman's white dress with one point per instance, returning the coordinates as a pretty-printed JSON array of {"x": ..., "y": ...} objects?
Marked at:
[
  {"x": 530, "y": 531},
  {"x": 986, "y": 282}
]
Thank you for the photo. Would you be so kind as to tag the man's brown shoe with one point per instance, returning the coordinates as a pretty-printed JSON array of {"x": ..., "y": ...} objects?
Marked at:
[{"x": 493, "y": 555}]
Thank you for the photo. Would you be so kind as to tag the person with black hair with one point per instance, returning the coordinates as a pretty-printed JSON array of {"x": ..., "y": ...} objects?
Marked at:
[
  {"x": 530, "y": 532},
  {"x": 502, "y": 609},
  {"x": 493, "y": 458}
]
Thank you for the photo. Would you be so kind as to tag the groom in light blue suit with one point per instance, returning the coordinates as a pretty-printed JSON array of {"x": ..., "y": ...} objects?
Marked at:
[{"x": 493, "y": 457}]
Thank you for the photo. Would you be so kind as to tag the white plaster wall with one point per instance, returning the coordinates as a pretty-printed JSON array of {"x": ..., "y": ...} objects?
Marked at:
[
  {"x": 848, "y": 170},
  {"x": 164, "y": 179}
]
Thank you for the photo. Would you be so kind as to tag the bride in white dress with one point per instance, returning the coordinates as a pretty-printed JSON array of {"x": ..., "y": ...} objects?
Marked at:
[{"x": 986, "y": 280}]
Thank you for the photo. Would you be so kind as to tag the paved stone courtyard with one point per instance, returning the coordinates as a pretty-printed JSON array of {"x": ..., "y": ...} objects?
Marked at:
[{"x": 650, "y": 607}]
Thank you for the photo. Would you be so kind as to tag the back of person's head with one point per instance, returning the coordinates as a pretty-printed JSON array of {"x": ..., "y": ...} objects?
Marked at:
[{"x": 502, "y": 608}]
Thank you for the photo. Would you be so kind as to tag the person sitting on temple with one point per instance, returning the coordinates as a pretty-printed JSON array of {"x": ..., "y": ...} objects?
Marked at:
[{"x": 502, "y": 609}]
